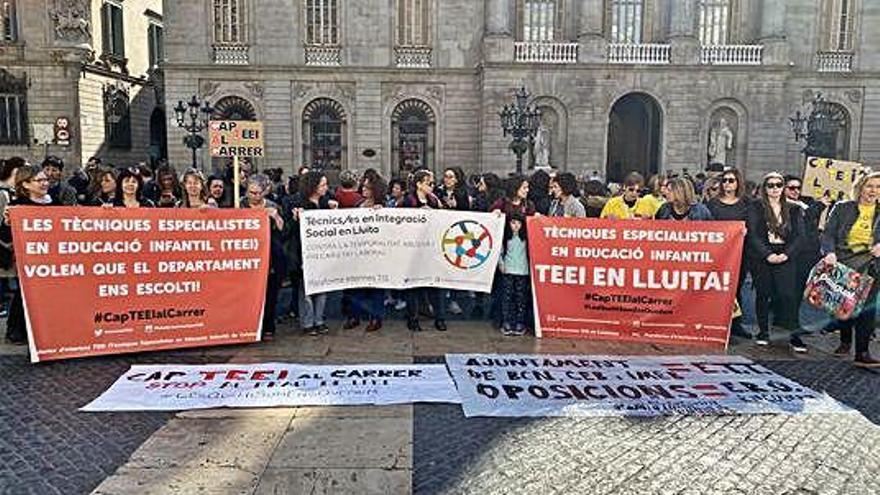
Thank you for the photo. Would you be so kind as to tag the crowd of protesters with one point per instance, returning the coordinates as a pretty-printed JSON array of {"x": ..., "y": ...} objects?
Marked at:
[{"x": 787, "y": 233}]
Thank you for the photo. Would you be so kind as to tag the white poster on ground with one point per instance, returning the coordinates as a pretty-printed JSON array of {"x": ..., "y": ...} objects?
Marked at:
[
  {"x": 399, "y": 248},
  {"x": 535, "y": 385},
  {"x": 180, "y": 387}
]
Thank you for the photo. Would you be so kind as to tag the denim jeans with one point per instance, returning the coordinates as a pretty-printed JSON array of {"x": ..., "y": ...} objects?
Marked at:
[{"x": 311, "y": 308}]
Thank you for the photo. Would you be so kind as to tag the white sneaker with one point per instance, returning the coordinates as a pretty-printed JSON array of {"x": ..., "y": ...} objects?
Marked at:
[
  {"x": 400, "y": 305},
  {"x": 454, "y": 308}
]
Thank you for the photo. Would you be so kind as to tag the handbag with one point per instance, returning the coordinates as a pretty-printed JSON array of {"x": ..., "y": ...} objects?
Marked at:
[{"x": 837, "y": 289}]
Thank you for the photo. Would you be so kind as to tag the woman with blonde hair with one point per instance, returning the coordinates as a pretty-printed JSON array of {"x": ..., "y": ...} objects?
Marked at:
[
  {"x": 195, "y": 191},
  {"x": 852, "y": 237},
  {"x": 775, "y": 237},
  {"x": 682, "y": 202}
]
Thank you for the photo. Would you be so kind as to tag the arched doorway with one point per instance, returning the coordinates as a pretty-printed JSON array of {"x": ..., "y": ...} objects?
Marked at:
[
  {"x": 412, "y": 137},
  {"x": 634, "y": 133},
  {"x": 158, "y": 138}
]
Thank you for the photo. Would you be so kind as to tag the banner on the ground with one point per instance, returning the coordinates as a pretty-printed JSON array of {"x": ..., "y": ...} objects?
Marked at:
[
  {"x": 107, "y": 281},
  {"x": 832, "y": 178},
  {"x": 399, "y": 248},
  {"x": 536, "y": 385},
  {"x": 179, "y": 387},
  {"x": 640, "y": 281}
]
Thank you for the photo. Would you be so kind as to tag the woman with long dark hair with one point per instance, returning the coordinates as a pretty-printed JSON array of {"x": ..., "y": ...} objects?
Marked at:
[
  {"x": 852, "y": 237},
  {"x": 313, "y": 187},
  {"x": 366, "y": 303},
  {"x": 517, "y": 198},
  {"x": 514, "y": 268},
  {"x": 31, "y": 189},
  {"x": 421, "y": 196},
  {"x": 453, "y": 191},
  {"x": 733, "y": 205},
  {"x": 102, "y": 189},
  {"x": 129, "y": 190},
  {"x": 775, "y": 236}
]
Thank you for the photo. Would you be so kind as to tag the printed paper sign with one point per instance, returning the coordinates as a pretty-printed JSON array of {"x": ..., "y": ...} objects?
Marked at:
[
  {"x": 834, "y": 178},
  {"x": 241, "y": 138},
  {"x": 534, "y": 385},
  {"x": 638, "y": 281},
  {"x": 179, "y": 387},
  {"x": 399, "y": 248},
  {"x": 107, "y": 281}
]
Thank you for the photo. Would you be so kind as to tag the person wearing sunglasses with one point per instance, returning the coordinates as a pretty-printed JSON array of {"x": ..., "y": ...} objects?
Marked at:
[
  {"x": 852, "y": 237},
  {"x": 733, "y": 205},
  {"x": 775, "y": 237},
  {"x": 623, "y": 207}
]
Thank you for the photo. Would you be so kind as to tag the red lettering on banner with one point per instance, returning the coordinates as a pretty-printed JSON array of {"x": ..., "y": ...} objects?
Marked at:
[{"x": 646, "y": 281}]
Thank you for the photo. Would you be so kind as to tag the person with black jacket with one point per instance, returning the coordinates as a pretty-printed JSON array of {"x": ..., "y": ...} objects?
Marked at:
[
  {"x": 775, "y": 236},
  {"x": 31, "y": 189},
  {"x": 852, "y": 237},
  {"x": 732, "y": 204},
  {"x": 129, "y": 190}
]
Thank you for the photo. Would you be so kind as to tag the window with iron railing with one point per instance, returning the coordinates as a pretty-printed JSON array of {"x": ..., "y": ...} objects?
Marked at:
[
  {"x": 627, "y": 21},
  {"x": 229, "y": 22}
]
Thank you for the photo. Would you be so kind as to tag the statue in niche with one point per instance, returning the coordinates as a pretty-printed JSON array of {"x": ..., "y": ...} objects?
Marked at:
[
  {"x": 721, "y": 141},
  {"x": 541, "y": 148}
]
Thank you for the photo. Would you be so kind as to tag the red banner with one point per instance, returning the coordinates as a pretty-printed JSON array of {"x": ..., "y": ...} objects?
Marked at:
[
  {"x": 107, "y": 281},
  {"x": 635, "y": 280}
]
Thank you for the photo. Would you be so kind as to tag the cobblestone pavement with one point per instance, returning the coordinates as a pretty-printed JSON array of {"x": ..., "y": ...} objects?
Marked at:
[
  {"x": 46, "y": 446},
  {"x": 816, "y": 454}
]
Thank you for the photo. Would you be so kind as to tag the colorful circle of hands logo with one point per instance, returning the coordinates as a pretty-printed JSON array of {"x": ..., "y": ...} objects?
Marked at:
[{"x": 467, "y": 244}]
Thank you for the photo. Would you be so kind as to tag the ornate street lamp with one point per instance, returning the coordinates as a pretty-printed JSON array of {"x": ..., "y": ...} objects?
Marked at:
[
  {"x": 521, "y": 122},
  {"x": 193, "y": 117},
  {"x": 819, "y": 129}
]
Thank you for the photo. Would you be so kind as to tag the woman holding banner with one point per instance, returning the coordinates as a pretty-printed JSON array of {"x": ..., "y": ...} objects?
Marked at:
[
  {"x": 366, "y": 303},
  {"x": 682, "y": 202},
  {"x": 422, "y": 196},
  {"x": 258, "y": 187},
  {"x": 196, "y": 191},
  {"x": 775, "y": 236},
  {"x": 102, "y": 190},
  {"x": 31, "y": 189},
  {"x": 129, "y": 190},
  {"x": 732, "y": 205},
  {"x": 852, "y": 237},
  {"x": 517, "y": 199},
  {"x": 313, "y": 188}
]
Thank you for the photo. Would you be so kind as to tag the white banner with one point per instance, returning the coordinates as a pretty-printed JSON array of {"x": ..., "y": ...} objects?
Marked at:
[
  {"x": 533, "y": 385},
  {"x": 179, "y": 387},
  {"x": 399, "y": 248}
]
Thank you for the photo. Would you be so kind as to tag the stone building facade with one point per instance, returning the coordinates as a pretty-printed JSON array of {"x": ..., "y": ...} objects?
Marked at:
[
  {"x": 87, "y": 67},
  {"x": 622, "y": 84}
]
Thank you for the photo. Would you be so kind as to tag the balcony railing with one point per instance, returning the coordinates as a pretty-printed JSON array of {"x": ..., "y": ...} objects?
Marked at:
[
  {"x": 236, "y": 54},
  {"x": 323, "y": 55},
  {"x": 642, "y": 53},
  {"x": 732, "y": 55},
  {"x": 834, "y": 61},
  {"x": 539, "y": 52},
  {"x": 413, "y": 57}
]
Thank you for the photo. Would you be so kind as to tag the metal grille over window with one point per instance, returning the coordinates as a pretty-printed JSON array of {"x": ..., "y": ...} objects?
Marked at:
[
  {"x": 714, "y": 22},
  {"x": 626, "y": 21},
  {"x": 412, "y": 129},
  {"x": 9, "y": 21},
  {"x": 413, "y": 40},
  {"x": 117, "y": 117},
  {"x": 324, "y": 139},
  {"x": 234, "y": 108},
  {"x": 13, "y": 109}
]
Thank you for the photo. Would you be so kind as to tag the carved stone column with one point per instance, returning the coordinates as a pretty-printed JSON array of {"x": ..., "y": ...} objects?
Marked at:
[
  {"x": 773, "y": 35},
  {"x": 682, "y": 32},
  {"x": 498, "y": 37}
]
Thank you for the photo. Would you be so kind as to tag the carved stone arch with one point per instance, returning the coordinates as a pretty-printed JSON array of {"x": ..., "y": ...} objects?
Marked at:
[
  {"x": 657, "y": 102},
  {"x": 234, "y": 108},
  {"x": 325, "y": 135},
  {"x": 555, "y": 116},
  {"x": 304, "y": 93},
  {"x": 737, "y": 117},
  {"x": 413, "y": 137},
  {"x": 432, "y": 97},
  {"x": 235, "y": 91}
]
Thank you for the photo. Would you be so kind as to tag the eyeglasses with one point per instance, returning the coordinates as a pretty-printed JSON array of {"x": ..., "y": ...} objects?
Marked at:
[
  {"x": 632, "y": 188},
  {"x": 729, "y": 180},
  {"x": 793, "y": 188},
  {"x": 773, "y": 185}
]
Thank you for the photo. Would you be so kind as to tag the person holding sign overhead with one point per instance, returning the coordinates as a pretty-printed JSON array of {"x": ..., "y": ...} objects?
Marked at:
[{"x": 852, "y": 237}]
